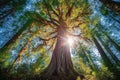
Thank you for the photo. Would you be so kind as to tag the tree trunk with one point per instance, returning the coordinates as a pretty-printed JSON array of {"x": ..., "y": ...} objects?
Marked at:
[
  {"x": 115, "y": 6},
  {"x": 105, "y": 58},
  {"x": 60, "y": 67},
  {"x": 111, "y": 54},
  {"x": 15, "y": 37},
  {"x": 113, "y": 42},
  {"x": 4, "y": 2},
  {"x": 93, "y": 66}
]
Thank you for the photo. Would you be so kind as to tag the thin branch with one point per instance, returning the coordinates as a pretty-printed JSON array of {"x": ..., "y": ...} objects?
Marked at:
[
  {"x": 51, "y": 45},
  {"x": 79, "y": 36},
  {"x": 58, "y": 9},
  {"x": 48, "y": 38},
  {"x": 80, "y": 23},
  {"x": 46, "y": 4},
  {"x": 45, "y": 21},
  {"x": 53, "y": 32},
  {"x": 80, "y": 15},
  {"x": 9, "y": 12},
  {"x": 18, "y": 56},
  {"x": 56, "y": 22}
]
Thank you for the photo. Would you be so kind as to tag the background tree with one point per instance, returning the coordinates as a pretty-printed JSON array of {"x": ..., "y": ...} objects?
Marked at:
[
  {"x": 114, "y": 5},
  {"x": 9, "y": 7}
]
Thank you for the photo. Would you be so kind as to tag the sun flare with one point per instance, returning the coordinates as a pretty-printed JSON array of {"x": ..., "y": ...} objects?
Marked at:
[{"x": 70, "y": 41}]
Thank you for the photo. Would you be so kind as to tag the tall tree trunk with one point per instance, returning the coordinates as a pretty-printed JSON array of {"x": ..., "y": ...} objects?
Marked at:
[
  {"x": 94, "y": 67},
  {"x": 117, "y": 20},
  {"x": 112, "y": 55},
  {"x": 112, "y": 41},
  {"x": 60, "y": 67},
  {"x": 89, "y": 59},
  {"x": 105, "y": 58},
  {"x": 115, "y": 6},
  {"x": 15, "y": 37}
]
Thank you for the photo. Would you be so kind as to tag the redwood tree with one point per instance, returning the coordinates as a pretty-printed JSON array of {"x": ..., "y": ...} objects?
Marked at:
[{"x": 62, "y": 17}]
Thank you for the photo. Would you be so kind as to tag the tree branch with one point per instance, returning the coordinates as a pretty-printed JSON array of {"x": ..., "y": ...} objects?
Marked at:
[
  {"x": 51, "y": 46},
  {"x": 68, "y": 14},
  {"x": 80, "y": 23},
  {"x": 80, "y": 15},
  {"x": 45, "y": 21},
  {"x": 54, "y": 21},
  {"x": 18, "y": 56},
  {"x": 46, "y": 5},
  {"x": 48, "y": 38}
]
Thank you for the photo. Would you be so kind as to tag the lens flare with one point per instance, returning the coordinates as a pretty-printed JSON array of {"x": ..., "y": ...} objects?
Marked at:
[{"x": 70, "y": 41}]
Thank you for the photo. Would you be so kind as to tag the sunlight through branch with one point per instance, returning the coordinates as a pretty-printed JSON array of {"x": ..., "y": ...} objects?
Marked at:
[{"x": 70, "y": 41}]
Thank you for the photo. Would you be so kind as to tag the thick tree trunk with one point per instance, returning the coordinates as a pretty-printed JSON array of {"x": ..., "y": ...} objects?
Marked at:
[{"x": 60, "y": 67}]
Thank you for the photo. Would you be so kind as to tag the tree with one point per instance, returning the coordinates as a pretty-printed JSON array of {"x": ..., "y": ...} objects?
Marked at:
[
  {"x": 61, "y": 16},
  {"x": 57, "y": 20}
]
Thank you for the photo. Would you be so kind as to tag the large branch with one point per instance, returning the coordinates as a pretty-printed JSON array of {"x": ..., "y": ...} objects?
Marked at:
[
  {"x": 47, "y": 5},
  {"x": 53, "y": 20},
  {"x": 51, "y": 46},
  {"x": 41, "y": 19},
  {"x": 69, "y": 12}
]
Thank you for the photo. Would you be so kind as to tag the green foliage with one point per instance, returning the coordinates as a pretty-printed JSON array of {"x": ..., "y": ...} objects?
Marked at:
[
  {"x": 104, "y": 10},
  {"x": 84, "y": 69},
  {"x": 105, "y": 74}
]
